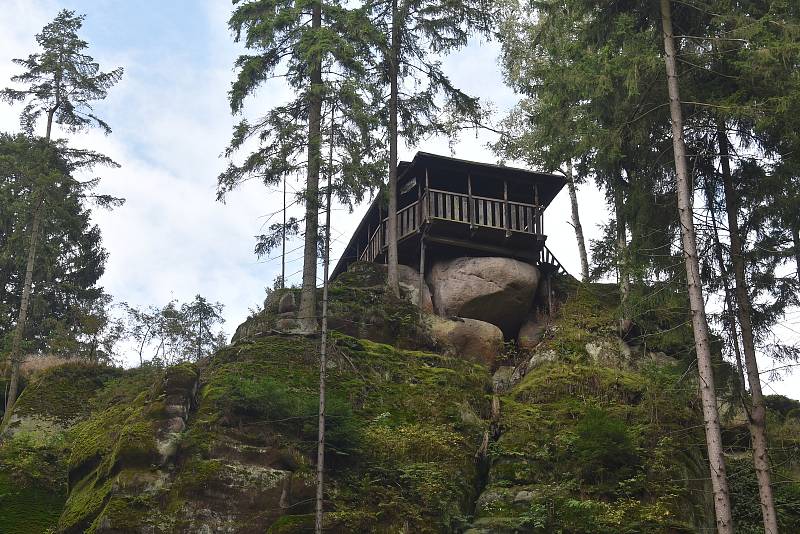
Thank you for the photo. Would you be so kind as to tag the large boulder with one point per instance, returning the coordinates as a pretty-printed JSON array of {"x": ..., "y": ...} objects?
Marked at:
[
  {"x": 468, "y": 338},
  {"x": 495, "y": 290}
]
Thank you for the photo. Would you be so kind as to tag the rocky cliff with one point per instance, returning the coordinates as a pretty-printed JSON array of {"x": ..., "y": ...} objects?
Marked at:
[{"x": 433, "y": 427}]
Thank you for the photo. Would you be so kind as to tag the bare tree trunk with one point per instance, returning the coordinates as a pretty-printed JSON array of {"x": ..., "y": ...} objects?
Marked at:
[
  {"x": 307, "y": 312},
  {"x": 283, "y": 239},
  {"x": 796, "y": 239},
  {"x": 323, "y": 346},
  {"x": 716, "y": 457},
  {"x": 757, "y": 412},
  {"x": 22, "y": 318},
  {"x": 625, "y": 322},
  {"x": 576, "y": 223},
  {"x": 391, "y": 227},
  {"x": 728, "y": 318}
]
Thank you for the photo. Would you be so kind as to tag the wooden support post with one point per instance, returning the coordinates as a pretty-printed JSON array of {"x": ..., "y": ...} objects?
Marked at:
[
  {"x": 427, "y": 197},
  {"x": 538, "y": 210},
  {"x": 471, "y": 204},
  {"x": 380, "y": 228},
  {"x": 506, "y": 213},
  {"x": 421, "y": 270}
]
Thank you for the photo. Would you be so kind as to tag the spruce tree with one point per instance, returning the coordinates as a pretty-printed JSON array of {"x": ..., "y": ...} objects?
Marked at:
[
  {"x": 60, "y": 82},
  {"x": 318, "y": 48},
  {"x": 415, "y": 33},
  {"x": 586, "y": 78}
]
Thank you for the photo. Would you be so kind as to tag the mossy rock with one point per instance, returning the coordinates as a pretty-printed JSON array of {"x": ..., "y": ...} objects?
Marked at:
[
  {"x": 27, "y": 507},
  {"x": 63, "y": 393}
]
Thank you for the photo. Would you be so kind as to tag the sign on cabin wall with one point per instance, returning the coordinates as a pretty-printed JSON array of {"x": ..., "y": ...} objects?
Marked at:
[{"x": 409, "y": 186}]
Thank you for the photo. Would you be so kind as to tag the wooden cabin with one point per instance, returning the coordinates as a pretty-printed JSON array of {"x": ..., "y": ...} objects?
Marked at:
[{"x": 450, "y": 207}]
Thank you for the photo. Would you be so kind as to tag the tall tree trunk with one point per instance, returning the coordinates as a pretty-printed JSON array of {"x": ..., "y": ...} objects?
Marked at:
[
  {"x": 624, "y": 282},
  {"x": 22, "y": 318},
  {"x": 283, "y": 239},
  {"x": 796, "y": 239},
  {"x": 716, "y": 458},
  {"x": 576, "y": 223},
  {"x": 757, "y": 412},
  {"x": 391, "y": 227},
  {"x": 323, "y": 356},
  {"x": 307, "y": 312},
  {"x": 729, "y": 315}
]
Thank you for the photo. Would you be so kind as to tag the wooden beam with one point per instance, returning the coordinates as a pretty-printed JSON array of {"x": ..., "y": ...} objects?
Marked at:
[
  {"x": 471, "y": 206},
  {"x": 469, "y": 244},
  {"x": 505, "y": 208},
  {"x": 427, "y": 197}
]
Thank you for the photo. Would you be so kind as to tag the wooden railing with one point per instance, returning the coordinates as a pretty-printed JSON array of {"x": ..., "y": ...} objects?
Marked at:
[
  {"x": 483, "y": 211},
  {"x": 476, "y": 211},
  {"x": 408, "y": 221},
  {"x": 547, "y": 257}
]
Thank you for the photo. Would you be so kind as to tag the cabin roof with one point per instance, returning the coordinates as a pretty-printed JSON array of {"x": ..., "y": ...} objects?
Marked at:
[{"x": 549, "y": 184}]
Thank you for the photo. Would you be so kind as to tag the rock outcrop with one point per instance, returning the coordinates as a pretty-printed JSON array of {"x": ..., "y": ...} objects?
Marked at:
[
  {"x": 410, "y": 285},
  {"x": 531, "y": 331},
  {"x": 576, "y": 435},
  {"x": 475, "y": 340},
  {"x": 495, "y": 290}
]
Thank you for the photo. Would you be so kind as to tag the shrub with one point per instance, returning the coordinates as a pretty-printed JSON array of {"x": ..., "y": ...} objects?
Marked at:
[{"x": 604, "y": 448}]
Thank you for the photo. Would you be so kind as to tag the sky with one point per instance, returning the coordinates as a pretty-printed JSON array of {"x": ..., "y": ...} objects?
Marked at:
[{"x": 171, "y": 122}]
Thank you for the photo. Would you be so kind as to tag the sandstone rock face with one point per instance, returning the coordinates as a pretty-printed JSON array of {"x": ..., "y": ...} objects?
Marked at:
[
  {"x": 469, "y": 338},
  {"x": 502, "y": 380},
  {"x": 287, "y": 303},
  {"x": 179, "y": 393},
  {"x": 495, "y": 290},
  {"x": 531, "y": 332},
  {"x": 409, "y": 285}
]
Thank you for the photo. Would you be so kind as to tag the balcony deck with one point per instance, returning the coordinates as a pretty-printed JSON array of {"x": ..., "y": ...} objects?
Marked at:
[{"x": 485, "y": 224}]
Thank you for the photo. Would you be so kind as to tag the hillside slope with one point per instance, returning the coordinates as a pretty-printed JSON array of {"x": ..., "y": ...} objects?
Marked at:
[{"x": 583, "y": 433}]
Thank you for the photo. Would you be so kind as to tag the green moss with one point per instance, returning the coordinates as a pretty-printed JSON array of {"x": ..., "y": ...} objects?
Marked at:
[
  {"x": 180, "y": 378},
  {"x": 64, "y": 392},
  {"x": 291, "y": 524},
  {"x": 86, "y": 501},
  {"x": 587, "y": 442},
  {"x": 553, "y": 382},
  {"x": 196, "y": 475},
  {"x": 27, "y": 507}
]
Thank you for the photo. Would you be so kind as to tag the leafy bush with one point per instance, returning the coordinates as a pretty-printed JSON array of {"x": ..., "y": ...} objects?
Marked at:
[{"x": 604, "y": 448}]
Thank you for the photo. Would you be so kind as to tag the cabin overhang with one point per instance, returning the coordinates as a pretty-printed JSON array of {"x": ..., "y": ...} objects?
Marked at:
[{"x": 457, "y": 208}]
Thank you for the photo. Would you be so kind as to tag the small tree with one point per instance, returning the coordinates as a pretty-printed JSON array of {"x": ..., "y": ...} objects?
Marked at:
[{"x": 200, "y": 317}]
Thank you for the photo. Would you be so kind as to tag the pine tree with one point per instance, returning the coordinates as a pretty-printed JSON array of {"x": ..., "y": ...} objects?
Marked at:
[
  {"x": 318, "y": 48},
  {"x": 415, "y": 33},
  {"x": 200, "y": 316},
  {"x": 61, "y": 82},
  {"x": 585, "y": 75}
]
